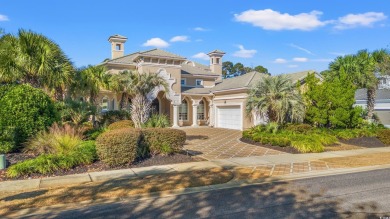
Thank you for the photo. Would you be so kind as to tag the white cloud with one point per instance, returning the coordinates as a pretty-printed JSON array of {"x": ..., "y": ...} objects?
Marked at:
[
  {"x": 301, "y": 48},
  {"x": 279, "y": 61},
  {"x": 179, "y": 39},
  {"x": 274, "y": 20},
  {"x": 3, "y": 18},
  {"x": 201, "y": 55},
  {"x": 200, "y": 29},
  {"x": 300, "y": 59},
  {"x": 360, "y": 20},
  {"x": 244, "y": 53},
  {"x": 292, "y": 66},
  {"x": 156, "y": 42}
]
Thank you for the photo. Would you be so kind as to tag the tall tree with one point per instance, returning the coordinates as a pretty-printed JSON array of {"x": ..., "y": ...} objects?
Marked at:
[
  {"x": 32, "y": 58},
  {"x": 239, "y": 68},
  {"x": 261, "y": 69},
  {"x": 227, "y": 68},
  {"x": 277, "y": 99}
]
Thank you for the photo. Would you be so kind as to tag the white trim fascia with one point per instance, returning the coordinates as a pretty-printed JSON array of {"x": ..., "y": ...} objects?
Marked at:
[
  {"x": 233, "y": 89},
  {"x": 230, "y": 98},
  {"x": 208, "y": 86}
]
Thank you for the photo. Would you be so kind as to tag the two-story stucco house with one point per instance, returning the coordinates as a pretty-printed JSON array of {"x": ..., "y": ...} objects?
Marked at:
[{"x": 197, "y": 93}]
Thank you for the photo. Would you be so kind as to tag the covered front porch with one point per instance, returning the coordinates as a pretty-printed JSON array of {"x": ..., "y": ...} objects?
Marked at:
[{"x": 194, "y": 110}]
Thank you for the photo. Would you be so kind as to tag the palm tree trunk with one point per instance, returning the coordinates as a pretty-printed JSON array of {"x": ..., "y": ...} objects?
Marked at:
[
  {"x": 371, "y": 95},
  {"x": 140, "y": 110},
  {"x": 59, "y": 94},
  {"x": 122, "y": 101}
]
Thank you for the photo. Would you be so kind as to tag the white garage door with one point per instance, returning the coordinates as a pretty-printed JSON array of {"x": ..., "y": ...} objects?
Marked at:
[{"x": 229, "y": 117}]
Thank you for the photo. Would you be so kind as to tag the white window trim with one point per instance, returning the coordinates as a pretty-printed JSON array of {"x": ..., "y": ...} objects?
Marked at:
[
  {"x": 201, "y": 82},
  {"x": 185, "y": 81}
]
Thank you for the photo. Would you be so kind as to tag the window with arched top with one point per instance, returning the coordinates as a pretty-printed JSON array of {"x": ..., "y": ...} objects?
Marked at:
[
  {"x": 104, "y": 104},
  {"x": 183, "y": 110},
  {"x": 201, "y": 110}
]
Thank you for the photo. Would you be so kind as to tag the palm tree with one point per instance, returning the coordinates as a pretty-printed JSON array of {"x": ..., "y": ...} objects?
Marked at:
[
  {"x": 361, "y": 70},
  {"x": 32, "y": 58},
  {"x": 277, "y": 99},
  {"x": 119, "y": 83},
  {"x": 139, "y": 86},
  {"x": 88, "y": 82}
]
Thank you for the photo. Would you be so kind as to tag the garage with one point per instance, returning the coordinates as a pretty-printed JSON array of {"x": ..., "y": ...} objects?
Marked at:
[{"x": 229, "y": 117}]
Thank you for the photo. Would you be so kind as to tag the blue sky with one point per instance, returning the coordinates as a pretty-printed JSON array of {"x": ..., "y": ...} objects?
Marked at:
[{"x": 284, "y": 36}]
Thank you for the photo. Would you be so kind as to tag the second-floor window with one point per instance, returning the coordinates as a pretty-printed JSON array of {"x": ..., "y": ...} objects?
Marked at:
[
  {"x": 183, "y": 81},
  {"x": 199, "y": 82}
]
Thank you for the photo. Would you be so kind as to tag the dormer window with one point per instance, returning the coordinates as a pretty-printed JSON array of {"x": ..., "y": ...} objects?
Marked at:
[
  {"x": 118, "y": 47},
  {"x": 199, "y": 82},
  {"x": 183, "y": 81}
]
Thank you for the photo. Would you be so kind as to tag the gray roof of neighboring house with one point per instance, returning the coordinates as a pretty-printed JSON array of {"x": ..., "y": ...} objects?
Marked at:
[
  {"x": 381, "y": 94},
  {"x": 298, "y": 76},
  {"x": 195, "y": 90},
  {"x": 243, "y": 81}
]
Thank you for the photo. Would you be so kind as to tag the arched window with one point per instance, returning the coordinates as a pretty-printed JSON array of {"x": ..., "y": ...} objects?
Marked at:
[
  {"x": 104, "y": 104},
  {"x": 183, "y": 110},
  {"x": 201, "y": 110},
  {"x": 155, "y": 107}
]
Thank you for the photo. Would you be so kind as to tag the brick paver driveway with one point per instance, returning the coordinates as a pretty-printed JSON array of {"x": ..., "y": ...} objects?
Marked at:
[{"x": 217, "y": 143}]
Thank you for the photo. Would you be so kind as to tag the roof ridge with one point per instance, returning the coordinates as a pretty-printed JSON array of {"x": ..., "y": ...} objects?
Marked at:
[
  {"x": 123, "y": 56},
  {"x": 253, "y": 75}
]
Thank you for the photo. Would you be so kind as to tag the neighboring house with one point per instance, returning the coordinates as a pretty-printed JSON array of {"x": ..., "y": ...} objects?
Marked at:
[
  {"x": 382, "y": 103},
  {"x": 197, "y": 93}
]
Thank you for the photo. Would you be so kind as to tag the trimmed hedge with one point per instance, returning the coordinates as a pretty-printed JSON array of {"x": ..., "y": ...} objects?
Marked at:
[
  {"x": 384, "y": 136},
  {"x": 121, "y": 124},
  {"x": 123, "y": 146},
  {"x": 49, "y": 163},
  {"x": 118, "y": 147},
  {"x": 27, "y": 110},
  {"x": 163, "y": 140}
]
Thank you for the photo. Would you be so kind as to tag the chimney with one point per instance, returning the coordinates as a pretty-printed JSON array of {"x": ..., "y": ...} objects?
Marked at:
[
  {"x": 117, "y": 45},
  {"x": 216, "y": 61}
]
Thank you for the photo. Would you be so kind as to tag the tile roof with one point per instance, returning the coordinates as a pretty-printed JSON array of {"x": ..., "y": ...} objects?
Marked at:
[
  {"x": 161, "y": 53},
  {"x": 195, "y": 90},
  {"x": 189, "y": 69},
  {"x": 243, "y": 81},
  {"x": 217, "y": 51},
  {"x": 297, "y": 76},
  {"x": 381, "y": 94},
  {"x": 117, "y": 36}
]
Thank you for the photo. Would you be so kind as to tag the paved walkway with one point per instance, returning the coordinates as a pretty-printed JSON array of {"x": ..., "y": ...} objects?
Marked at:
[
  {"x": 275, "y": 165},
  {"x": 217, "y": 143}
]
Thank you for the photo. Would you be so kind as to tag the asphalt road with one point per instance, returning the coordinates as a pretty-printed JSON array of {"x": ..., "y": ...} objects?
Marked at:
[{"x": 357, "y": 195}]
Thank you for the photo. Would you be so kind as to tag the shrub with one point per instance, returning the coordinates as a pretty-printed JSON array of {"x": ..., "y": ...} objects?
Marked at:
[
  {"x": 75, "y": 112},
  {"x": 58, "y": 139},
  {"x": 307, "y": 145},
  {"x": 118, "y": 147},
  {"x": 92, "y": 134},
  {"x": 7, "y": 139},
  {"x": 110, "y": 117},
  {"x": 121, "y": 124},
  {"x": 28, "y": 110},
  {"x": 49, "y": 163},
  {"x": 299, "y": 128},
  {"x": 384, "y": 136},
  {"x": 158, "y": 121},
  {"x": 164, "y": 141}
]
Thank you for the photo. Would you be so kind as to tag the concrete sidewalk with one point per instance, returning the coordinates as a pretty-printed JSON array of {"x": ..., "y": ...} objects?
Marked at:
[{"x": 283, "y": 164}]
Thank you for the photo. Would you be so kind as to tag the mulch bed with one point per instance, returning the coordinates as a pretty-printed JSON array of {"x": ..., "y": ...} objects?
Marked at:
[
  {"x": 290, "y": 150},
  {"x": 97, "y": 166},
  {"x": 366, "y": 142}
]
